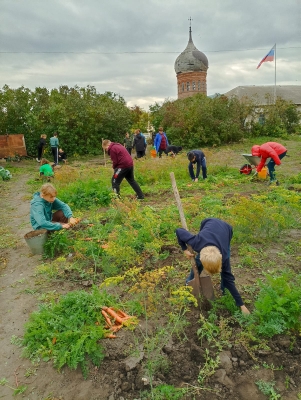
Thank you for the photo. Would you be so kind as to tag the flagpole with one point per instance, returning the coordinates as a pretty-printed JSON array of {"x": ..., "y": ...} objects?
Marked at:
[{"x": 275, "y": 77}]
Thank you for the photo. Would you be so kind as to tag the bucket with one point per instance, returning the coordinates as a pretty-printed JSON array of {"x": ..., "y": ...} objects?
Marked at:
[
  {"x": 36, "y": 240},
  {"x": 263, "y": 173},
  {"x": 153, "y": 153}
]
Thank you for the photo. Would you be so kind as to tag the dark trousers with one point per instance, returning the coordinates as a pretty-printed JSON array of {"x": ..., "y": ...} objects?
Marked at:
[
  {"x": 128, "y": 174},
  {"x": 55, "y": 153},
  {"x": 129, "y": 149},
  {"x": 140, "y": 153},
  {"x": 40, "y": 152},
  {"x": 160, "y": 151},
  {"x": 204, "y": 169},
  {"x": 59, "y": 216},
  {"x": 271, "y": 166}
]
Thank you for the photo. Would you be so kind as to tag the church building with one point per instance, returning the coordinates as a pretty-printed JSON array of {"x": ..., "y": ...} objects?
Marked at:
[{"x": 191, "y": 68}]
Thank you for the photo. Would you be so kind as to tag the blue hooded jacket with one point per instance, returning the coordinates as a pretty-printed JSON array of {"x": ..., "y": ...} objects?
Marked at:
[
  {"x": 213, "y": 232},
  {"x": 41, "y": 213}
]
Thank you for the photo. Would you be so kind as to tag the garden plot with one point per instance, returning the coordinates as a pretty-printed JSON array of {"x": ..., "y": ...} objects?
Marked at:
[{"x": 123, "y": 254}]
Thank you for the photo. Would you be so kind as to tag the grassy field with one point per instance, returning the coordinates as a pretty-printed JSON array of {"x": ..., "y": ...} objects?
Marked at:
[{"x": 124, "y": 254}]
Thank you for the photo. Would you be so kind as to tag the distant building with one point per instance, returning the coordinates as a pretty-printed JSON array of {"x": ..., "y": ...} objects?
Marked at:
[
  {"x": 264, "y": 95},
  {"x": 191, "y": 68}
]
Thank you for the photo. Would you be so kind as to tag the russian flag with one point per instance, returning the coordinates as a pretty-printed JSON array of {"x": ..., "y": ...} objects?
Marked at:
[{"x": 268, "y": 57}]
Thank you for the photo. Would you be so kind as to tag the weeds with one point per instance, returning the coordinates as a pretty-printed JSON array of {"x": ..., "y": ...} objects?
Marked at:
[{"x": 267, "y": 388}]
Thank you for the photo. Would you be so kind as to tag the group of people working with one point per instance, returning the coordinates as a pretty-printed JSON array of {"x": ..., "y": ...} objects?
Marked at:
[
  {"x": 46, "y": 169},
  {"x": 211, "y": 243}
]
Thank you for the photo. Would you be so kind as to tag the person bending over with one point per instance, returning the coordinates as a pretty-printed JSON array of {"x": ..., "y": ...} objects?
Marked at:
[
  {"x": 197, "y": 157},
  {"x": 123, "y": 167},
  {"x": 269, "y": 149},
  {"x": 212, "y": 245}
]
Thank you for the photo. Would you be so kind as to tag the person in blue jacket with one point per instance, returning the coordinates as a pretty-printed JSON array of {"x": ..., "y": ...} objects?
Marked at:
[
  {"x": 161, "y": 142},
  {"x": 197, "y": 157},
  {"x": 41, "y": 211},
  {"x": 212, "y": 245}
]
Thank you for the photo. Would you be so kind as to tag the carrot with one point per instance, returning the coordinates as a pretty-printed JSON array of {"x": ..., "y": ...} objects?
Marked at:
[
  {"x": 106, "y": 317},
  {"x": 121, "y": 313},
  {"x": 110, "y": 336},
  {"x": 113, "y": 314},
  {"x": 54, "y": 340}
]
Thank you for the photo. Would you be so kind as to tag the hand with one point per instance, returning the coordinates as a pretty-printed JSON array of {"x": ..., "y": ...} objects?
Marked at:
[
  {"x": 196, "y": 179},
  {"x": 244, "y": 310},
  {"x": 73, "y": 221},
  {"x": 188, "y": 254},
  {"x": 65, "y": 226}
]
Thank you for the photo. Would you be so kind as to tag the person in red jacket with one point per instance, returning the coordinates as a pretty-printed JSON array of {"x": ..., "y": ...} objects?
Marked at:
[
  {"x": 123, "y": 167},
  {"x": 272, "y": 150}
]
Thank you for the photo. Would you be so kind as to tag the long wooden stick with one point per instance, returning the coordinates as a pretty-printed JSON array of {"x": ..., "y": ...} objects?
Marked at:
[{"x": 196, "y": 284}]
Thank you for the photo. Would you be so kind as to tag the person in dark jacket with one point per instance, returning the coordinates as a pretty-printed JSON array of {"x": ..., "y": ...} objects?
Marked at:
[
  {"x": 139, "y": 143},
  {"x": 128, "y": 143},
  {"x": 123, "y": 167},
  {"x": 41, "y": 146},
  {"x": 270, "y": 149},
  {"x": 173, "y": 150},
  {"x": 62, "y": 156},
  {"x": 41, "y": 211},
  {"x": 197, "y": 157},
  {"x": 212, "y": 245}
]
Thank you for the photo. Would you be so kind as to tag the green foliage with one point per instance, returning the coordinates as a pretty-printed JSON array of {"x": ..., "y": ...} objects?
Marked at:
[
  {"x": 267, "y": 388},
  {"x": 81, "y": 116},
  {"x": 68, "y": 332},
  {"x": 201, "y": 121},
  {"x": 278, "y": 306},
  {"x": 209, "y": 368},
  {"x": 57, "y": 242},
  {"x": 86, "y": 194},
  {"x": 165, "y": 392}
]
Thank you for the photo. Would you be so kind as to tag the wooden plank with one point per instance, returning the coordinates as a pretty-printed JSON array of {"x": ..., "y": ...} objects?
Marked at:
[{"x": 12, "y": 145}]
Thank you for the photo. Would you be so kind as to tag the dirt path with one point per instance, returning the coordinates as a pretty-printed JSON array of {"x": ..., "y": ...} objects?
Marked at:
[{"x": 17, "y": 285}]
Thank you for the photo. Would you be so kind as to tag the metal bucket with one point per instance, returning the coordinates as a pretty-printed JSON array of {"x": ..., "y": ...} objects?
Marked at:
[{"x": 36, "y": 240}]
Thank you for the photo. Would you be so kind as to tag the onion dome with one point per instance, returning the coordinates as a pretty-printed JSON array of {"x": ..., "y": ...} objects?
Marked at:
[{"x": 191, "y": 59}]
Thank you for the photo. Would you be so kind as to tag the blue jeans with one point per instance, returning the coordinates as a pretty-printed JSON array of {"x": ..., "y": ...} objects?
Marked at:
[{"x": 271, "y": 166}]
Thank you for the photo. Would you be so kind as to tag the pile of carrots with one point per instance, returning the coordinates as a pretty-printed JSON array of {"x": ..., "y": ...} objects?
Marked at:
[{"x": 114, "y": 320}]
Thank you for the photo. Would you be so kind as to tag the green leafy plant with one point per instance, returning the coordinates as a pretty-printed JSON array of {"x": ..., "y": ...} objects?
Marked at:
[
  {"x": 209, "y": 368},
  {"x": 165, "y": 392},
  {"x": 267, "y": 388},
  {"x": 278, "y": 306},
  {"x": 68, "y": 332},
  {"x": 57, "y": 242}
]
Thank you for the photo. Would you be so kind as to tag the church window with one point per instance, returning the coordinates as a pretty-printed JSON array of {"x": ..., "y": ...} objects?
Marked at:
[
  {"x": 183, "y": 87},
  {"x": 193, "y": 85},
  {"x": 199, "y": 85},
  {"x": 188, "y": 86}
]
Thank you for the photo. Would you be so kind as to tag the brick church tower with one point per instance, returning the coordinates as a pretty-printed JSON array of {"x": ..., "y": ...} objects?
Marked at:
[{"x": 191, "y": 69}]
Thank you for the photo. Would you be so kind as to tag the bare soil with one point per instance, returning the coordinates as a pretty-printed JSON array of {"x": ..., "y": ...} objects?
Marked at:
[{"x": 121, "y": 377}]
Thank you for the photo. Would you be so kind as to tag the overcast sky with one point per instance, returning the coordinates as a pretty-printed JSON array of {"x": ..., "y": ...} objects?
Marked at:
[{"x": 129, "y": 47}]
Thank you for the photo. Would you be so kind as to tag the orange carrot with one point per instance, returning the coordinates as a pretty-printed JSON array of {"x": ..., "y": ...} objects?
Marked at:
[
  {"x": 113, "y": 314},
  {"x": 110, "y": 336},
  {"x": 121, "y": 313},
  {"x": 106, "y": 317}
]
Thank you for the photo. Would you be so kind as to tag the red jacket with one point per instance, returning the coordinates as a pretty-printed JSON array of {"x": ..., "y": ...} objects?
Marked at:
[
  {"x": 119, "y": 156},
  {"x": 266, "y": 150}
]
